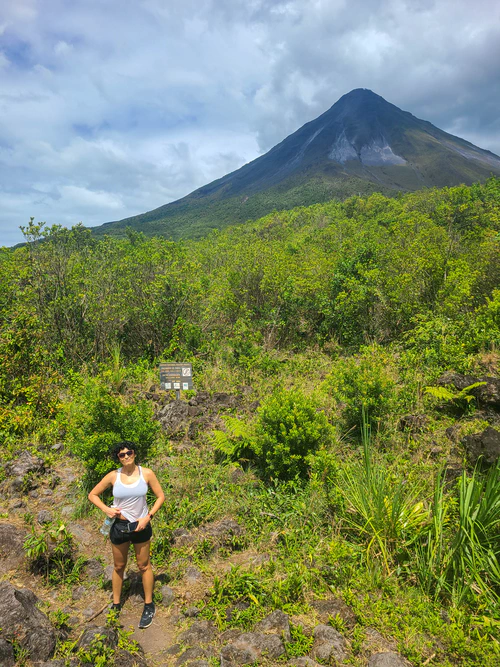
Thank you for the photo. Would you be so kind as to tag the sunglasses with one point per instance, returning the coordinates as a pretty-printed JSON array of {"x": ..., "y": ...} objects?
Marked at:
[{"x": 129, "y": 452}]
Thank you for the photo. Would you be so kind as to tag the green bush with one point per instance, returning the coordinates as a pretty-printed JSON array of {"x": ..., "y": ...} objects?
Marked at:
[
  {"x": 487, "y": 323},
  {"x": 364, "y": 382},
  {"x": 439, "y": 343},
  {"x": 51, "y": 552},
  {"x": 99, "y": 419},
  {"x": 289, "y": 429}
]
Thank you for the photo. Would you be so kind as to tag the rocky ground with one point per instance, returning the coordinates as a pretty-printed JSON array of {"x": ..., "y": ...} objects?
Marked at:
[{"x": 46, "y": 494}]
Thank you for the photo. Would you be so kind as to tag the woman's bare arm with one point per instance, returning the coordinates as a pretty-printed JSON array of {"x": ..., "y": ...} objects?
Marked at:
[{"x": 98, "y": 489}]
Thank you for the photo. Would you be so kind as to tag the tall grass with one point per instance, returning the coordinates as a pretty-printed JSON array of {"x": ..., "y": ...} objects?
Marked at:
[
  {"x": 459, "y": 555},
  {"x": 453, "y": 545},
  {"x": 383, "y": 508}
]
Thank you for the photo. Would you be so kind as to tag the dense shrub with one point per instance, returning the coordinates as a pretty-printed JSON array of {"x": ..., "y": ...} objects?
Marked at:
[
  {"x": 289, "y": 429},
  {"x": 364, "y": 382},
  {"x": 282, "y": 441},
  {"x": 98, "y": 419},
  {"x": 487, "y": 322}
]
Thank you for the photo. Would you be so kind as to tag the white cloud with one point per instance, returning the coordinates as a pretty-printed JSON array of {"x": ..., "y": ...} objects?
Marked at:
[
  {"x": 107, "y": 113},
  {"x": 62, "y": 48},
  {"x": 90, "y": 199}
]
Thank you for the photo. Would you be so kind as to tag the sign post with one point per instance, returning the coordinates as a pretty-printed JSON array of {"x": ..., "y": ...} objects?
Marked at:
[{"x": 176, "y": 376}]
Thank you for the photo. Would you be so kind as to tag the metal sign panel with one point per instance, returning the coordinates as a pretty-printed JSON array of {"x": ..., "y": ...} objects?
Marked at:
[{"x": 177, "y": 376}]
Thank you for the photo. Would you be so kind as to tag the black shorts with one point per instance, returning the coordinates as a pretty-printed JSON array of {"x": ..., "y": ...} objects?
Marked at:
[{"x": 119, "y": 535}]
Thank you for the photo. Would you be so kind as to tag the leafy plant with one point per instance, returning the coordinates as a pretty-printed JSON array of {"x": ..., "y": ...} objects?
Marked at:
[
  {"x": 365, "y": 383},
  {"x": 98, "y": 653},
  {"x": 460, "y": 400},
  {"x": 51, "y": 552},
  {"x": 60, "y": 619},
  {"x": 289, "y": 429},
  {"x": 462, "y": 559},
  {"x": 238, "y": 585},
  {"x": 98, "y": 419},
  {"x": 21, "y": 653},
  {"x": 383, "y": 509},
  {"x": 236, "y": 442},
  {"x": 300, "y": 643}
]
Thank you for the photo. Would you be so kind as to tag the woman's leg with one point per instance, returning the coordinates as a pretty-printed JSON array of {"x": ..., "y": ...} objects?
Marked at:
[
  {"x": 144, "y": 565},
  {"x": 120, "y": 554}
]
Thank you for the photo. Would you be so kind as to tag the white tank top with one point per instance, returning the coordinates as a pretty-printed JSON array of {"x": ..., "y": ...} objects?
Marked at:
[{"x": 131, "y": 498}]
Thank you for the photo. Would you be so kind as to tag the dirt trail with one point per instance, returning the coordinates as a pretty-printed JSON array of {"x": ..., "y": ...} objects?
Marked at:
[{"x": 156, "y": 639}]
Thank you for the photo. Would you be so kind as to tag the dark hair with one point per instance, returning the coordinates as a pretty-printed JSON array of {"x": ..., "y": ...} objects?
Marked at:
[{"x": 124, "y": 444}]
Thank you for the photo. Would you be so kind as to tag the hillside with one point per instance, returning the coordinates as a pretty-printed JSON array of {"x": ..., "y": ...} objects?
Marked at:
[
  {"x": 332, "y": 483},
  {"x": 362, "y": 144}
]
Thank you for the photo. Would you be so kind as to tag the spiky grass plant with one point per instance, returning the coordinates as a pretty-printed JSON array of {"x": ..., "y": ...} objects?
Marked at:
[
  {"x": 383, "y": 508},
  {"x": 460, "y": 559}
]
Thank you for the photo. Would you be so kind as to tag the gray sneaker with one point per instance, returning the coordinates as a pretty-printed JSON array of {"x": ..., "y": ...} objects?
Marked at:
[{"x": 147, "y": 616}]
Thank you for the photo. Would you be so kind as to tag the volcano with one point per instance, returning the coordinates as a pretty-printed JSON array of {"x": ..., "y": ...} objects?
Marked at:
[{"x": 362, "y": 144}]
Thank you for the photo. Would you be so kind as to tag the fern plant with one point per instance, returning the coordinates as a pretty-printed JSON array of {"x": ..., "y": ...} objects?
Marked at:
[
  {"x": 459, "y": 400},
  {"x": 235, "y": 442}
]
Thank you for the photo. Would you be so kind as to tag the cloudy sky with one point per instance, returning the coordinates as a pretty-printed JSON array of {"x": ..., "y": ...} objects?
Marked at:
[{"x": 109, "y": 108}]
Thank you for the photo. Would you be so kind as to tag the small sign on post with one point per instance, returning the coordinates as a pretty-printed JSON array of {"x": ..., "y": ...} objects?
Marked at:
[{"x": 176, "y": 376}]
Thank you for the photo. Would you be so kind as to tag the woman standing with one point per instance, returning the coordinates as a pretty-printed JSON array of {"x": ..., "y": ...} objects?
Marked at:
[{"x": 132, "y": 521}]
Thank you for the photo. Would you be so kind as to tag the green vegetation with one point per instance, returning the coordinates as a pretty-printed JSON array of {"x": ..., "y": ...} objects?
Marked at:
[
  {"x": 331, "y": 324},
  {"x": 287, "y": 431},
  {"x": 97, "y": 419},
  {"x": 50, "y": 551},
  {"x": 194, "y": 217}
]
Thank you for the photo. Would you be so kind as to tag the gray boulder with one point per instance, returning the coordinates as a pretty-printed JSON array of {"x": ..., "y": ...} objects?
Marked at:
[
  {"x": 328, "y": 644},
  {"x": 44, "y": 516},
  {"x": 223, "y": 531},
  {"x": 238, "y": 654},
  {"x": 11, "y": 547},
  {"x": 124, "y": 658},
  {"x": 201, "y": 632},
  {"x": 108, "y": 636},
  {"x": 221, "y": 399},
  {"x": 250, "y": 647},
  {"x": 413, "y": 423},
  {"x": 173, "y": 416},
  {"x": 388, "y": 659},
  {"x": 94, "y": 569},
  {"x": 229, "y": 635},
  {"x": 193, "y": 575},
  {"x": 21, "y": 618},
  {"x": 333, "y": 607},
  {"x": 192, "y": 655},
  {"x": 487, "y": 395},
  {"x": 276, "y": 623},
  {"x": 167, "y": 595},
  {"x": 24, "y": 464},
  {"x": 6, "y": 654},
  {"x": 485, "y": 445},
  {"x": 182, "y": 537}
]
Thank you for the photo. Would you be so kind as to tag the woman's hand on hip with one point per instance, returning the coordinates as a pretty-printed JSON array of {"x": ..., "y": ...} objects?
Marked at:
[{"x": 142, "y": 523}]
